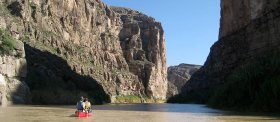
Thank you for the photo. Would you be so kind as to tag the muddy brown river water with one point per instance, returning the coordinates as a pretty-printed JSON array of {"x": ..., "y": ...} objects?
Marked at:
[{"x": 128, "y": 113}]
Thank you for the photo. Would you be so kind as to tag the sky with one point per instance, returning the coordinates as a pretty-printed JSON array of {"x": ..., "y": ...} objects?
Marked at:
[{"x": 191, "y": 26}]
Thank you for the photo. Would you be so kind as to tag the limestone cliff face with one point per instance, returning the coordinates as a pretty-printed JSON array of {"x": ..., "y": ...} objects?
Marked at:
[
  {"x": 237, "y": 14},
  {"x": 85, "y": 47},
  {"x": 143, "y": 46},
  {"x": 178, "y": 76},
  {"x": 248, "y": 28},
  {"x": 13, "y": 88}
]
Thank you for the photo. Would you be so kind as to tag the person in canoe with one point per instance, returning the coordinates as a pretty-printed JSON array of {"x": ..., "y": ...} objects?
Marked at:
[
  {"x": 80, "y": 105},
  {"x": 87, "y": 106}
]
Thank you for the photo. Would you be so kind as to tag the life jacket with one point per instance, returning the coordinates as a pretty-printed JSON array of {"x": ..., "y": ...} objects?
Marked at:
[
  {"x": 80, "y": 105},
  {"x": 87, "y": 106}
]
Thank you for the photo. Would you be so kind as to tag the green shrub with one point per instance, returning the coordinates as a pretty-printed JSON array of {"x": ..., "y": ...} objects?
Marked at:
[
  {"x": 254, "y": 86},
  {"x": 128, "y": 99},
  {"x": 7, "y": 42}
]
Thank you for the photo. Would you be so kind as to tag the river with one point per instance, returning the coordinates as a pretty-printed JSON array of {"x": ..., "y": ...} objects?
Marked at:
[{"x": 127, "y": 113}]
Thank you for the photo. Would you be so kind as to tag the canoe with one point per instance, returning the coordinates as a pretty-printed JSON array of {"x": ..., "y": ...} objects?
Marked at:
[{"x": 82, "y": 114}]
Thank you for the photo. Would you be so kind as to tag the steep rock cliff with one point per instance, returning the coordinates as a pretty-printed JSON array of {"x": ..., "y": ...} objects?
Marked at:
[
  {"x": 237, "y": 14},
  {"x": 143, "y": 45},
  {"x": 13, "y": 88},
  {"x": 178, "y": 77},
  {"x": 85, "y": 48},
  {"x": 248, "y": 29}
]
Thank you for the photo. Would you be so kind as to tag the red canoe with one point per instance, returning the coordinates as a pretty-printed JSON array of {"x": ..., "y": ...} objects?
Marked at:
[{"x": 83, "y": 114}]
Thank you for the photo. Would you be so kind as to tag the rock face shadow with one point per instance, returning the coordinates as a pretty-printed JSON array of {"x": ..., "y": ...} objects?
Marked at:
[
  {"x": 53, "y": 81},
  {"x": 13, "y": 89}
]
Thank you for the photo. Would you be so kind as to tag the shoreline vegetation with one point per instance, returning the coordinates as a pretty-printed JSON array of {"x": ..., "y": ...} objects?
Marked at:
[
  {"x": 254, "y": 86},
  {"x": 136, "y": 99}
]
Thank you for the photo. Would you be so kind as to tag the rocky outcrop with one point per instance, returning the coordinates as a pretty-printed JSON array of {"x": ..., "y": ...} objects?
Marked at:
[
  {"x": 86, "y": 47},
  {"x": 178, "y": 77},
  {"x": 248, "y": 29},
  {"x": 13, "y": 88}
]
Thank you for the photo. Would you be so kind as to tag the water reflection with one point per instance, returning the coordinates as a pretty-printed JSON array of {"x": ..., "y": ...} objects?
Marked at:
[{"x": 182, "y": 108}]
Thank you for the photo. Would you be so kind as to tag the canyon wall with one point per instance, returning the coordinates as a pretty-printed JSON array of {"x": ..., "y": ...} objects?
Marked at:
[
  {"x": 237, "y": 14},
  {"x": 248, "y": 29},
  {"x": 178, "y": 76},
  {"x": 13, "y": 67},
  {"x": 87, "y": 48},
  {"x": 143, "y": 45}
]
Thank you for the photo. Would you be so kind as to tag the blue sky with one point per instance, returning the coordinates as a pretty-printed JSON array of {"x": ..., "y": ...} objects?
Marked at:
[{"x": 191, "y": 26}]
